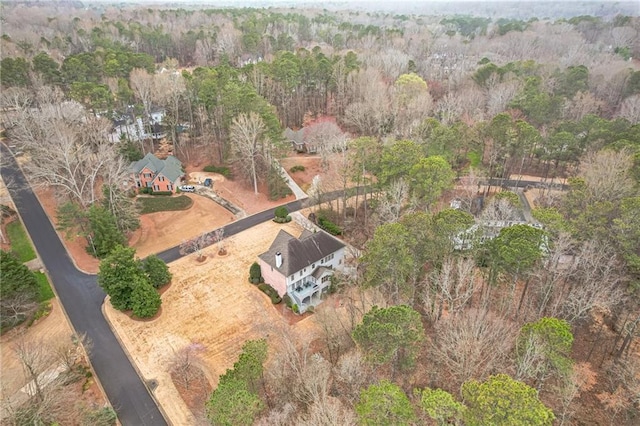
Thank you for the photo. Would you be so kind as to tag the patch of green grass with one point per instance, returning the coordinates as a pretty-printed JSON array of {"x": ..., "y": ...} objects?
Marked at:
[
  {"x": 20, "y": 243},
  {"x": 164, "y": 204},
  {"x": 44, "y": 288}
]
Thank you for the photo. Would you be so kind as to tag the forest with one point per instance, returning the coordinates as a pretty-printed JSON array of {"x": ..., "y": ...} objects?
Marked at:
[{"x": 425, "y": 114}]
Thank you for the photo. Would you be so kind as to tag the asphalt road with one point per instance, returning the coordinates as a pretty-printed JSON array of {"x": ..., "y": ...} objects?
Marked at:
[
  {"x": 236, "y": 227},
  {"x": 82, "y": 299}
]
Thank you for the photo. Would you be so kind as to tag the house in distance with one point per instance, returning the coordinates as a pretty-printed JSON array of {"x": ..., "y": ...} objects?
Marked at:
[{"x": 302, "y": 267}]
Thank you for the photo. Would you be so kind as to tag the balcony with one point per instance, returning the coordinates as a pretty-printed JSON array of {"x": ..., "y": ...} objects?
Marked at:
[{"x": 307, "y": 294}]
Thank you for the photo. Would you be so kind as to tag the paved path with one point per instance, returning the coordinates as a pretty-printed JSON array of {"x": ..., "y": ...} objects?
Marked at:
[
  {"x": 82, "y": 300},
  {"x": 297, "y": 191}
]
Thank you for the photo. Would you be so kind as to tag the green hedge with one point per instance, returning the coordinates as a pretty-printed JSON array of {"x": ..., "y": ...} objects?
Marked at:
[
  {"x": 297, "y": 168},
  {"x": 224, "y": 171},
  {"x": 329, "y": 226},
  {"x": 271, "y": 292}
]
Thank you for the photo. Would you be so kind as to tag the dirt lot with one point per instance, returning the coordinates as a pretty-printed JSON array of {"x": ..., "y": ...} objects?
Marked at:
[
  {"x": 52, "y": 330},
  {"x": 163, "y": 230},
  {"x": 210, "y": 303},
  {"x": 330, "y": 178}
]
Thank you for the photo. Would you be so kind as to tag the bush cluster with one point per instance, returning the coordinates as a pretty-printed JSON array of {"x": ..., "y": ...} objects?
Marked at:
[
  {"x": 271, "y": 292},
  {"x": 282, "y": 215},
  {"x": 287, "y": 300},
  {"x": 297, "y": 168},
  {"x": 329, "y": 226},
  {"x": 222, "y": 170},
  {"x": 255, "y": 274}
]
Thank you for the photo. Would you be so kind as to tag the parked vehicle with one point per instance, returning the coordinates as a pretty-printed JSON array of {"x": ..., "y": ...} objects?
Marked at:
[
  {"x": 187, "y": 188},
  {"x": 208, "y": 182}
]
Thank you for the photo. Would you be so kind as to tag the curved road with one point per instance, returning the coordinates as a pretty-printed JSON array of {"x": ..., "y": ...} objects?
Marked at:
[{"x": 82, "y": 299}]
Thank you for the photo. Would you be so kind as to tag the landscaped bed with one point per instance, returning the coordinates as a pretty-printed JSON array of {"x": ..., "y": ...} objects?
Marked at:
[{"x": 163, "y": 204}]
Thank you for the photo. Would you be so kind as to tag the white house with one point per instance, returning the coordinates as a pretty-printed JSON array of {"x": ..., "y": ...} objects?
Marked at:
[{"x": 302, "y": 267}]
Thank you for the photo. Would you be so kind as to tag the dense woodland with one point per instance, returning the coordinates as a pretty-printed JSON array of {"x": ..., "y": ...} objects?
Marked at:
[{"x": 536, "y": 326}]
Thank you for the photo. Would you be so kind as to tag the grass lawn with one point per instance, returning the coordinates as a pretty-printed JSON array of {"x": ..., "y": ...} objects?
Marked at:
[
  {"x": 44, "y": 288},
  {"x": 163, "y": 204},
  {"x": 20, "y": 243}
]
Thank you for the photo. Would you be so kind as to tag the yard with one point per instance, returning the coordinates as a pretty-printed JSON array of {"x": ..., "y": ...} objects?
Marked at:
[
  {"x": 20, "y": 243},
  {"x": 212, "y": 304}
]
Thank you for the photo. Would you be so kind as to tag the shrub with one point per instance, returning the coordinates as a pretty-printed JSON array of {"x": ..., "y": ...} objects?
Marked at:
[
  {"x": 145, "y": 190},
  {"x": 255, "y": 274},
  {"x": 329, "y": 226},
  {"x": 157, "y": 271},
  {"x": 281, "y": 212},
  {"x": 100, "y": 417},
  {"x": 271, "y": 292},
  {"x": 161, "y": 192},
  {"x": 282, "y": 215},
  {"x": 297, "y": 168},
  {"x": 277, "y": 185},
  {"x": 287, "y": 301},
  {"x": 222, "y": 170},
  {"x": 295, "y": 309},
  {"x": 282, "y": 220}
]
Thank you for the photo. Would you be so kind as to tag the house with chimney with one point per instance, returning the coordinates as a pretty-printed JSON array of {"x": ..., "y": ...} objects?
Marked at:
[
  {"x": 302, "y": 267},
  {"x": 159, "y": 175}
]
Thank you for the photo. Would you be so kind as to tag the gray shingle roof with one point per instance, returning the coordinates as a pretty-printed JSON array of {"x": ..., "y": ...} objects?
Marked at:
[
  {"x": 171, "y": 168},
  {"x": 296, "y": 136},
  {"x": 300, "y": 253}
]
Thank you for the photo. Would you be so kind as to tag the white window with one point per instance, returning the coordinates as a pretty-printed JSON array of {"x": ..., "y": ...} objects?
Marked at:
[
  {"x": 325, "y": 278},
  {"x": 169, "y": 187},
  {"x": 161, "y": 178},
  {"x": 156, "y": 188}
]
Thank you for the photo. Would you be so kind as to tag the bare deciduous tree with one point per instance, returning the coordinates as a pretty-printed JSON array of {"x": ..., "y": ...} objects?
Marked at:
[
  {"x": 606, "y": 174},
  {"x": 393, "y": 202},
  {"x": 630, "y": 109},
  {"x": 142, "y": 84},
  {"x": 473, "y": 344},
  {"x": 352, "y": 374},
  {"x": 182, "y": 365},
  {"x": 68, "y": 149},
  {"x": 595, "y": 280},
  {"x": 196, "y": 245},
  {"x": 248, "y": 139},
  {"x": 453, "y": 287}
]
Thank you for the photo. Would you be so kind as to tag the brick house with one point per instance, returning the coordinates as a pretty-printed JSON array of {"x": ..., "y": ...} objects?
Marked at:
[
  {"x": 302, "y": 267},
  {"x": 160, "y": 175}
]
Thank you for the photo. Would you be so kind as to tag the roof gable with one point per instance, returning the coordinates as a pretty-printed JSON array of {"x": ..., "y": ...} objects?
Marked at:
[
  {"x": 171, "y": 168},
  {"x": 300, "y": 253}
]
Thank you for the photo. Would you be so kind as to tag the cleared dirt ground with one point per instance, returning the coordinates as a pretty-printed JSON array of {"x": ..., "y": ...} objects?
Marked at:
[
  {"x": 163, "y": 230},
  {"x": 210, "y": 303},
  {"x": 49, "y": 330}
]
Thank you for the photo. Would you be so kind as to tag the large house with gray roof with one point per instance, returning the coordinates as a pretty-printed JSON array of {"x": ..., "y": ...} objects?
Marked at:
[
  {"x": 302, "y": 267},
  {"x": 159, "y": 175}
]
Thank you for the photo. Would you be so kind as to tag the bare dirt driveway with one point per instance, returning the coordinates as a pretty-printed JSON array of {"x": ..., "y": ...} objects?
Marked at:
[{"x": 210, "y": 303}]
